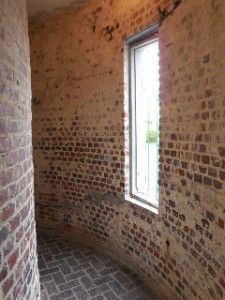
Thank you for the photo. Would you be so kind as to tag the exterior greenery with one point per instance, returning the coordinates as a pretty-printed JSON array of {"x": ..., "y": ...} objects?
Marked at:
[{"x": 151, "y": 137}]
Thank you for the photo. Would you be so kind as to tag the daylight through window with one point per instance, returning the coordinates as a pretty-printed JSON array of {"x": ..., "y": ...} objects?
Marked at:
[{"x": 144, "y": 72}]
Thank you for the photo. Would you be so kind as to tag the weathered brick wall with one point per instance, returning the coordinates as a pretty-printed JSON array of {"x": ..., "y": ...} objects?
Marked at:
[
  {"x": 80, "y": 126},
  {"x": 18, "y": 260},
  {"x": 193, "y": 145}
]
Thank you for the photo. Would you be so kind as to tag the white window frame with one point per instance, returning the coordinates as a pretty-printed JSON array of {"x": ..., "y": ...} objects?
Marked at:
[{"x": 145, "y": 37}]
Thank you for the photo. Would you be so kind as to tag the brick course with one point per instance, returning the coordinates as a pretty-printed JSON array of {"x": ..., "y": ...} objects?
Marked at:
[
  {"x": 81, "y": 143},
  {"x": 18, "y": 260}
]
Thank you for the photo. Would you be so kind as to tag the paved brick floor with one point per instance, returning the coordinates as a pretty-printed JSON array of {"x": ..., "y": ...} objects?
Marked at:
[{"x": 70, "y": 271}]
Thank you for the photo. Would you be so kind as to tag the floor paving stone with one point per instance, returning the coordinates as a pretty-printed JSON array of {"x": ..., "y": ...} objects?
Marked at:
[{"x": 72, "y": 272}]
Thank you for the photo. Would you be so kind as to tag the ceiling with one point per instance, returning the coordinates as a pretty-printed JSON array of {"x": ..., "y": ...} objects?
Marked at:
[{"x": 39, "y": 9}]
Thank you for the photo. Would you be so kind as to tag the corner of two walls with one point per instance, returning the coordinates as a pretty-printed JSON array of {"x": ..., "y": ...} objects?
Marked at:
[{"x": 79, "y": 129}]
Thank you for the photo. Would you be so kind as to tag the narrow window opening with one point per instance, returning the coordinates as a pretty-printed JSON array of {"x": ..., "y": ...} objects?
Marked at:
[{"x": 144, "y": 119}]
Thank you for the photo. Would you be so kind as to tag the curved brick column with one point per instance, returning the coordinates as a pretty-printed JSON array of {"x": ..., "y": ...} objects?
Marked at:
[{"x": 18, "y": 259}]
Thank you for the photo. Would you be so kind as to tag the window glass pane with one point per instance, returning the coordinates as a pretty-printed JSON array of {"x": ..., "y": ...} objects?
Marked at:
[{"x": 146, "y": 78}]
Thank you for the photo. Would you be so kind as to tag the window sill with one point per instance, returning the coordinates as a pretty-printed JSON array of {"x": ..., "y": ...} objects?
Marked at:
[{"x": 142, "y": 204}]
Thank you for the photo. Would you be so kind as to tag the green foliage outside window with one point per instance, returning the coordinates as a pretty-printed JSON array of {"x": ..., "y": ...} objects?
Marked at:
[{"x": 151, "y": 137}]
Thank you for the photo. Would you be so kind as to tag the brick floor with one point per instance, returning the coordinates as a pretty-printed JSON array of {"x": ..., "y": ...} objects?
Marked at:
[{"x": 70, "y": 271}]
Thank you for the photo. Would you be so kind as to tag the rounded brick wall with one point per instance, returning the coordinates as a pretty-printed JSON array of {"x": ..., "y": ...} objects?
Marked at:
[
  {"x": 19, "y": 277},
  {"x": 81, "y": 126}
]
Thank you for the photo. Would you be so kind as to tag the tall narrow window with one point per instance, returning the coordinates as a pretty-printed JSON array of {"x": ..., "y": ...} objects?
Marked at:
[{"x": 144, "y": 116}]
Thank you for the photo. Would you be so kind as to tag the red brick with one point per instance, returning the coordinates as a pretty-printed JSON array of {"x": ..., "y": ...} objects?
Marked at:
[
  {"x": 177, "y": 273},
  {"x": 212, "y": 172},
  {"x": 9, "y": 247},
  {"x": 3, "y": 273},
  {"x": 7, "y": 285},
  {"x": 15, "y": 222},
  {"x": 222, "y": 175},
  {"x": 211, "y": 271},
  {"x": 217, "y": 184},
  {"x": 222, "y": 151},
  {"x": 206, "y": 159},
  {"x": 13, "y": 258},
  {"x": 207, "y": 180},
  {"x": 19, "y": 234},
  {"x": 221, "y": 223},
  {"x": 8, "y": 211},
  {"x": 222, "y": 282},
  {"x": 3, "y": 196}
]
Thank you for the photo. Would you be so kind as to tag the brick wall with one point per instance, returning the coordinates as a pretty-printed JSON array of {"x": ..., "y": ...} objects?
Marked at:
[
  {"x": 18, "y": 264},
  {"x": 80, "y": 126},
  {"x": 192, "y": 145}
]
